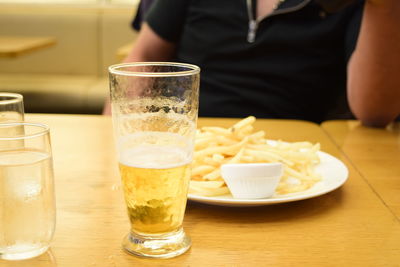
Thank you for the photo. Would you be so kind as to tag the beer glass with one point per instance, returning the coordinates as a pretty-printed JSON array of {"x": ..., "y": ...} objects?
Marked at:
[
  {"x": 27, "y": 213},
  {"x": 154, "y": 107},
  {"x": 11, "y": 107}
]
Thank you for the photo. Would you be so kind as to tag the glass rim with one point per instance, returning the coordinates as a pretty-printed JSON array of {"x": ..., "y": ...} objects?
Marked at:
[
  {"x": 192, "y": 69},
  {"x": 45, "y": 129},
  {"x": 15, "y": 98}
]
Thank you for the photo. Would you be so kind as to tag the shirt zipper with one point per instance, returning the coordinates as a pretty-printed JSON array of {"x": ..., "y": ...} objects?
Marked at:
[{"x": 253, "y": 22}]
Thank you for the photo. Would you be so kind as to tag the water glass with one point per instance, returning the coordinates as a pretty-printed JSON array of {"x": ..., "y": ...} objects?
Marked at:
[
  {"x": 11, "y": 107},
  {"x": 27, "y": 201},
  {"x": 154, "y": 108}
]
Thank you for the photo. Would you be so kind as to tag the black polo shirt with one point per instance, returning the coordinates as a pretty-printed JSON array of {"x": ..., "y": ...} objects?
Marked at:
[{"x": 295, "y": 68}]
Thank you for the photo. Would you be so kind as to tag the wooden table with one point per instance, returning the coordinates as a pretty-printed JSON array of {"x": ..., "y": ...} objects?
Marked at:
[
  {"x": 350, "y": 226},
  {"x": 375, "y": 153},
  {"x": 14, "y": 46}
]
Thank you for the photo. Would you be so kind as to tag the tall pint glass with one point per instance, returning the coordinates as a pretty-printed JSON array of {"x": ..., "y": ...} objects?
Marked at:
[
  {"x": 27, "y": 202},
  {"x": 154, "y": 107}
]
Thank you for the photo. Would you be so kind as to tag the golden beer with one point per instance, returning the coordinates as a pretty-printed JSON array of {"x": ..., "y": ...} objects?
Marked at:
[{"x": 155, "y": 182}]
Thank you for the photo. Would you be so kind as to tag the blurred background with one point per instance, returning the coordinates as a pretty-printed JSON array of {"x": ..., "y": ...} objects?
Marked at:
[{"x": 56, "y": 52}]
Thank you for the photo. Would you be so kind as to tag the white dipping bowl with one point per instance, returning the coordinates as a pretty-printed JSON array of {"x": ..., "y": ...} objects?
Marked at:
[{"x": 252, "y": 180}]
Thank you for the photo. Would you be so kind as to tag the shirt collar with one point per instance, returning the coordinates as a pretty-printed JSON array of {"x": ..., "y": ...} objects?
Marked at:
[{"x": 290, "y": 6}]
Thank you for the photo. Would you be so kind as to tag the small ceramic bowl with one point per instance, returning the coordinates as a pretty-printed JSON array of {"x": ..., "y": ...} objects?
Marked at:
[{"x": 252, "y": 180}]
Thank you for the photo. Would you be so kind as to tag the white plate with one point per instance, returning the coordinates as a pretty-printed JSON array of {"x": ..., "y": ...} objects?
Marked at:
[{"x": 333, "y": 171}]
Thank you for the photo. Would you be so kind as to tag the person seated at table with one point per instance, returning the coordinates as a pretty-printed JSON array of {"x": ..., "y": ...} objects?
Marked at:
[
  {"x": 143, "y": 7},
  {"x": 293, "y": 59}
]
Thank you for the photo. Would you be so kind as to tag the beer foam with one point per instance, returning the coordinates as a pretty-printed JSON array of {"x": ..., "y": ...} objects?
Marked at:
[
  {"x": 154, "y": 138},
  {"x": 154, "y": 157}
]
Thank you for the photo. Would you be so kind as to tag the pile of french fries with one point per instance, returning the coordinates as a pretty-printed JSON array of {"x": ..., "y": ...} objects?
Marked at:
[{"x": 215, "y": 146}]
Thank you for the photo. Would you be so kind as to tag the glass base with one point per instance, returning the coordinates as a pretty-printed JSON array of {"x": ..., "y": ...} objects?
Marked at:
[
  {"x": 22, "y": 252},
  {"x": 157, "y": 246}
]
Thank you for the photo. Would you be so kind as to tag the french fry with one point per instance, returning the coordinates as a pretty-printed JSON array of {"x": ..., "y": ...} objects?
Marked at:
[
  {"x": 228, "y": 150},
  {"x": 217, "y": 130},
  {"x": 208, "y": 188},
  {"x": 202, "y": 170},
  {"x": 218, "y": 158},
  {"x": 211, "y": 161},
  {"x": 214, "y": 175},
  {"x": 241, "y": 124},
  {"x": 215, "y": 146}
]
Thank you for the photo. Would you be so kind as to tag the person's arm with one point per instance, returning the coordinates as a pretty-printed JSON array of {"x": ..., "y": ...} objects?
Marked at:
[
  {"x": 374, "y": 68},
  {"x": 148, "y": 47}
]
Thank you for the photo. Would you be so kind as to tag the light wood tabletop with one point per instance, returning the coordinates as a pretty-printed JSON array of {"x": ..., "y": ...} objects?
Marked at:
[
  {"x": 375, "y": 153},
  {"x": 350, "y": 226},
  {"x": 14, "y": 46}
]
